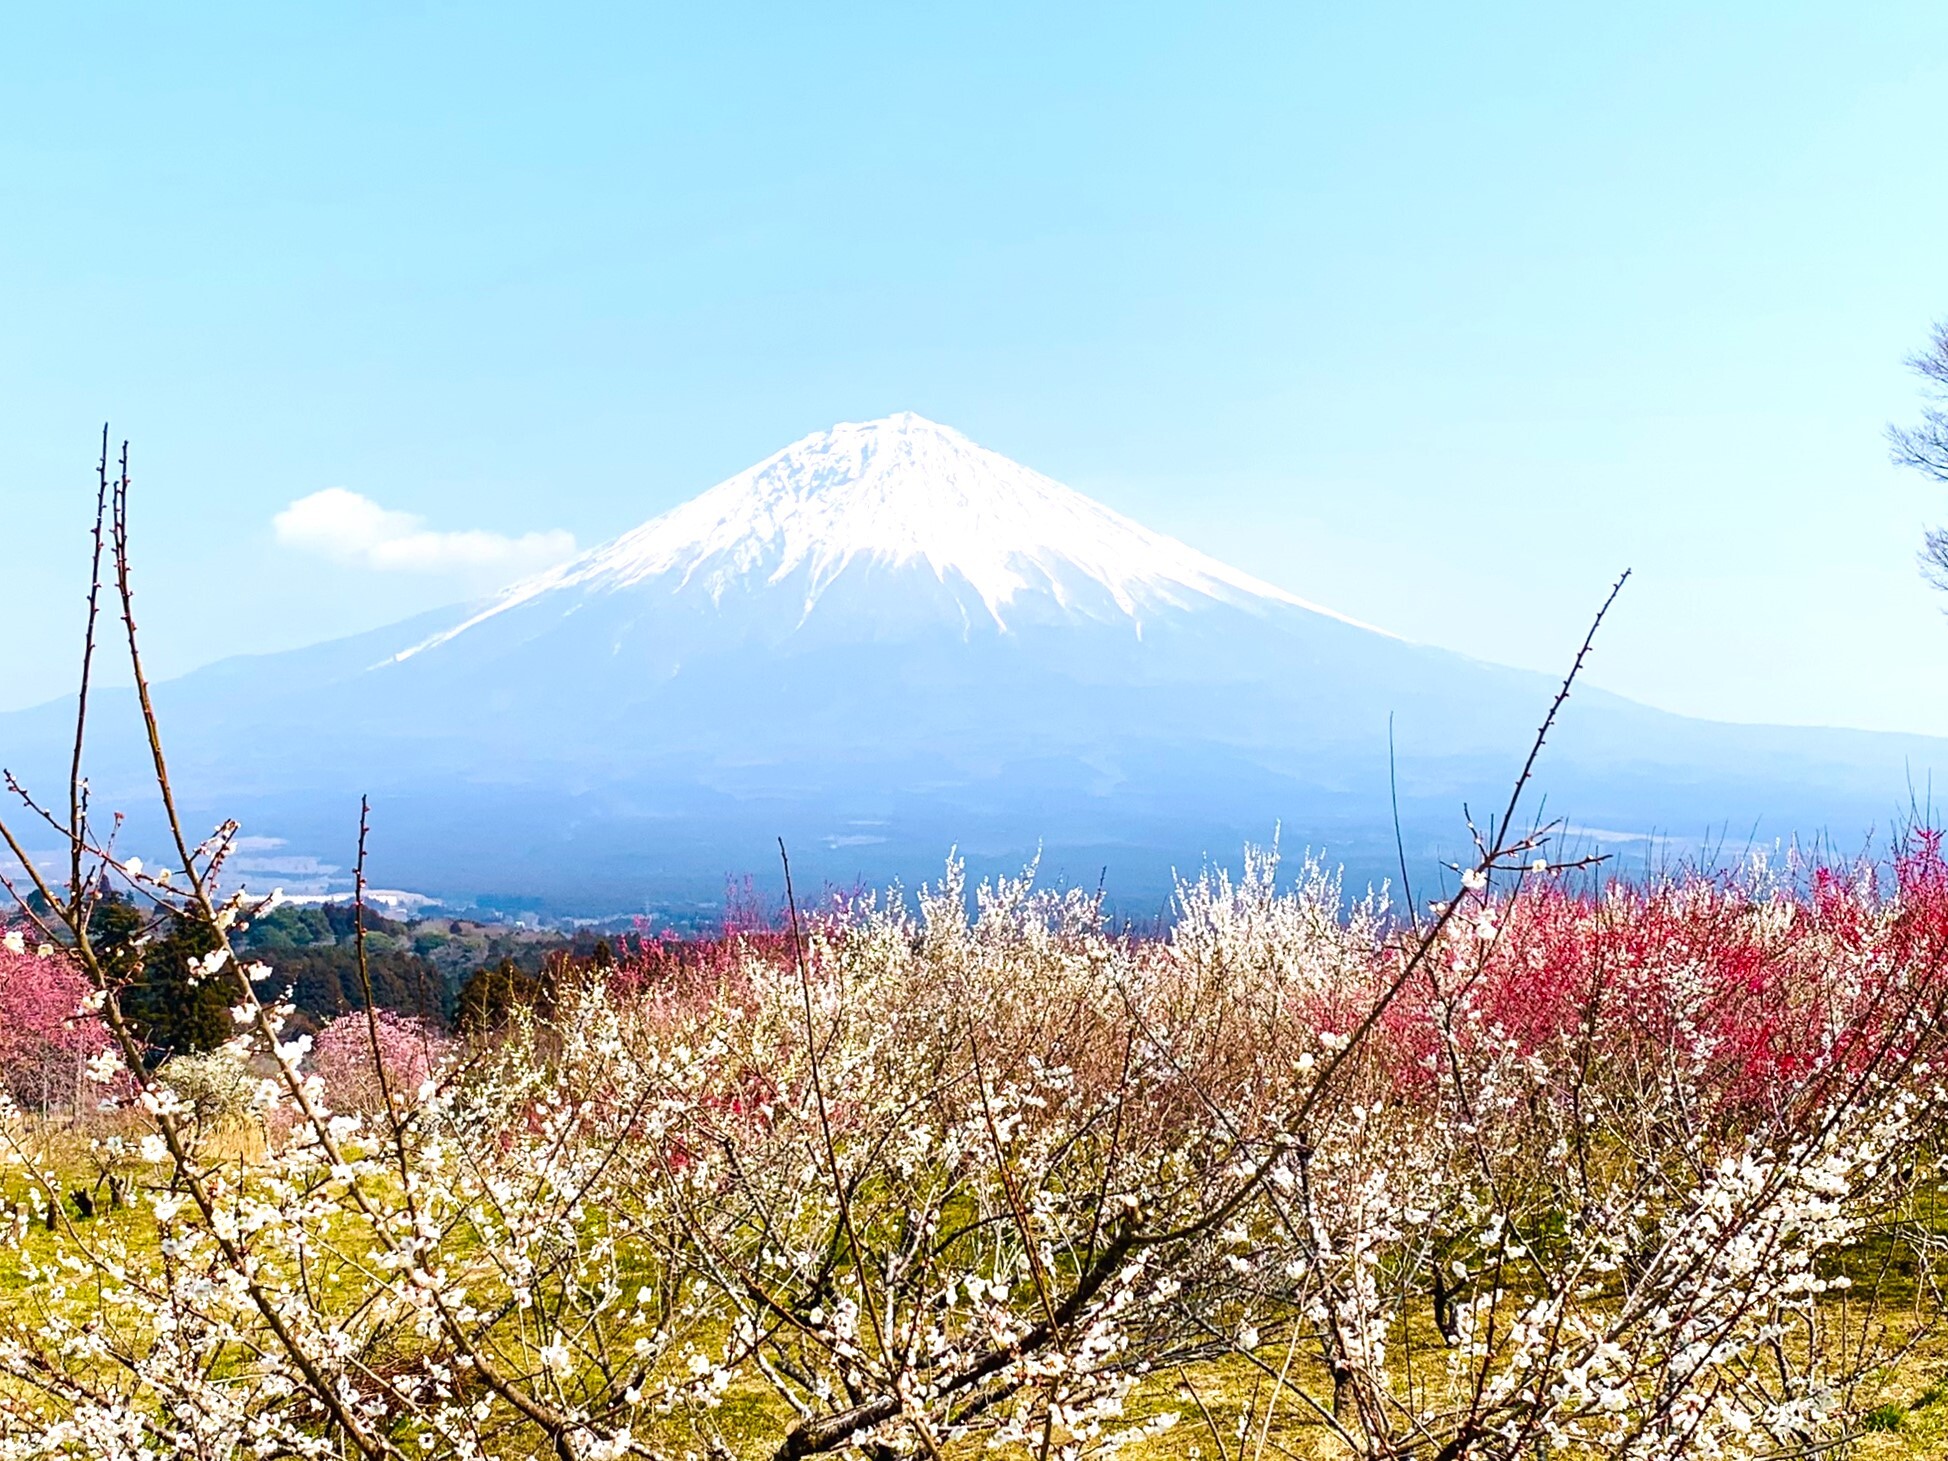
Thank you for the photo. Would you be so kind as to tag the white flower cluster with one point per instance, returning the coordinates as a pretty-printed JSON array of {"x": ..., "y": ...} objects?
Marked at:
[{"x": 929, "y": 1180}]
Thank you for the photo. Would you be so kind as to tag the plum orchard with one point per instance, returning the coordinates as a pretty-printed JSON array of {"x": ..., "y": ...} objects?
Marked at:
[{"x": 1586, "y": 1184}]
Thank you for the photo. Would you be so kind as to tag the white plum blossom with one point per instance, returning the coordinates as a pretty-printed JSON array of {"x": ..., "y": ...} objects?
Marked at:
[
  {"x": 104, "y": 1066},
  {"x": 980, "y": 1171}
]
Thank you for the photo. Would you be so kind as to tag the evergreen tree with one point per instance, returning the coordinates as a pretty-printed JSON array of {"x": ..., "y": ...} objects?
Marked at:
[
  {"x": 492, "y": 995},
  {"x": 175, "y": 1007}
]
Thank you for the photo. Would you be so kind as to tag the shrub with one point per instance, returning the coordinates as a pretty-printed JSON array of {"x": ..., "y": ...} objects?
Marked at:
[
  {"x": 214, "y": 1090},
  {"x": 46, "y": 1035},
  {"x": 408, "y": 1053}
]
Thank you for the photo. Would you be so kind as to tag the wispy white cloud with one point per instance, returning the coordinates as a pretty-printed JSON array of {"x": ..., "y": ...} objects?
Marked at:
[{"x": 348, "y": 527}]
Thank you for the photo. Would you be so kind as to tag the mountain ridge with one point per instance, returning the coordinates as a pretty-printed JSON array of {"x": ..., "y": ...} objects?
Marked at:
[{"x": 883, "y": 641}]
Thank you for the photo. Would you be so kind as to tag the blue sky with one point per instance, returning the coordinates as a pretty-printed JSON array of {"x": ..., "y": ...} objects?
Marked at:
[{"x": 1439, "y": 315}]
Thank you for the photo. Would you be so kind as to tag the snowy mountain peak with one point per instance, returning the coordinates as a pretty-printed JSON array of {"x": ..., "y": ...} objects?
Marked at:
[{"x": 900, "y": 492}]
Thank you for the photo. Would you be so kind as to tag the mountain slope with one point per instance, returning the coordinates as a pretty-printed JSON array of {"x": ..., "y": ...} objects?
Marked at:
[
  {"x": 899, "y": 494},
  {"x": 885, "y": 640}
]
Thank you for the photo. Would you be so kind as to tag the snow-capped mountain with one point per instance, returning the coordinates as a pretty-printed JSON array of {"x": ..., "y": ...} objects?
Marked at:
[
  {"x": 891, "y": 495},
  {"x": 886, "y": 640}
]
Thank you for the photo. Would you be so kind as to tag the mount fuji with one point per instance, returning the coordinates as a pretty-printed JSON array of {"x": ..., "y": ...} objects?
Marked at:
[{"x": 886, "y": 641}]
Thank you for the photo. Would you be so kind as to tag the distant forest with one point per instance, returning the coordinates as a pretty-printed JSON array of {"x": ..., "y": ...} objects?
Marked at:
[
  {"x": 419, "y": 967},
  {"x": 435, "y": 968}
]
